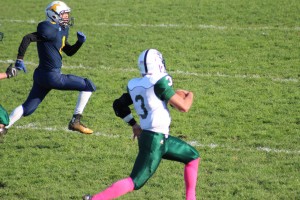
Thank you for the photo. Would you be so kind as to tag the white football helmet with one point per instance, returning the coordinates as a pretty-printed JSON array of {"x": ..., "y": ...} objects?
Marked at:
[
  {"x": 54, "y": 11},
  {"x": 151, "y": 61}
]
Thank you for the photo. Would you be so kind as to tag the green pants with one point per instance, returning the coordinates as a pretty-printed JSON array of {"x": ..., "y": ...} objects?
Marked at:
[
  {"x": 153, "y": 147},
  {"x": 4, "y": 118}
]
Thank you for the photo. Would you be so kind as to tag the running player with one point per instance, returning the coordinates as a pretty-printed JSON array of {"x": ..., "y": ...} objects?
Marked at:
[
  {"x": 150, "y": 95},
  {"x": 52, "y": 40}
]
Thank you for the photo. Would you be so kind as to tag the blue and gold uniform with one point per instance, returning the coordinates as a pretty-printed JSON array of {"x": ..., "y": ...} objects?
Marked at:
[
  {"x": 51, "y": 38},
  {"x": 51, "y": 41},
  {"x": 50, "y": 50}
]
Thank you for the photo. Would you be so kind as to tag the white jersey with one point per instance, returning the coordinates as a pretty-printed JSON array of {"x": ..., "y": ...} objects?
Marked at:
[{"x": 150, "y": 95}]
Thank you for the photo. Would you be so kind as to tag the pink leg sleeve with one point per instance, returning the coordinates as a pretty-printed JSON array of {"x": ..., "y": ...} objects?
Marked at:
[
  {"x": 117, "y": 189},
  {"x": 190, "y": 178}
]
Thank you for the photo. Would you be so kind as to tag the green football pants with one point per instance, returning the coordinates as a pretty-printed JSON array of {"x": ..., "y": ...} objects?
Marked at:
[
  {"x": 153, "y": 147},
  {"x": 4, "y": 118}
]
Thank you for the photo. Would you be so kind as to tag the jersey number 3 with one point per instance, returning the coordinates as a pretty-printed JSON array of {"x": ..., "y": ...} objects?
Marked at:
[
  {"x": 142, "y": 101},
  {"x": 140, "y": 98}
]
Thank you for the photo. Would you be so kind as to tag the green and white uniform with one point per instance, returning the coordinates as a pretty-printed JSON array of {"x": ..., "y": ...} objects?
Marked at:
[
  {"x": 4, "y": 118},
  {"x": 150, "y": 95}
]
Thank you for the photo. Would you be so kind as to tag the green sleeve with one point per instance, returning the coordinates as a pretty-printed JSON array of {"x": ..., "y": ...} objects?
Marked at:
[
  {"x": 4, "y": 118},
  {"x": 163, "y": 88}
]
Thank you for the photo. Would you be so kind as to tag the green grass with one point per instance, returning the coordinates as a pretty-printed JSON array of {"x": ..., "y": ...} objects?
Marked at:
[{"x": 240, "y": 58}]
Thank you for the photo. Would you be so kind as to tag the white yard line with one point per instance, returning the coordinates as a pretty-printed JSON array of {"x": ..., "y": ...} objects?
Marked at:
[
  {"x": 187, "y": 73},
  {"x": 199, "y": 26},
  {"x": 265, "y": 149},
  {"x": 33, "y": 126}
]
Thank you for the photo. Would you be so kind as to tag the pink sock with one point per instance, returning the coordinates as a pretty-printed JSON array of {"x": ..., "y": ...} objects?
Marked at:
[
  {"x": 117, "y": 189},
  {"x": 190, "y": 178}
]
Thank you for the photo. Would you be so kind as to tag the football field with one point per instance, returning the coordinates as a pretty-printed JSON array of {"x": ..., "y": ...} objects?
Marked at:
[{"x": 240, "y": 58}]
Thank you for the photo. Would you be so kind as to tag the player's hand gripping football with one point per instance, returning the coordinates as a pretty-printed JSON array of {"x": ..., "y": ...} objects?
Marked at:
[{"x": 81, "y": 37}]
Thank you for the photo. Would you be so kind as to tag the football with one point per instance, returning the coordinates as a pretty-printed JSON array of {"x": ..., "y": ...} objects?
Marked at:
[{"x": 181, "y": 93}]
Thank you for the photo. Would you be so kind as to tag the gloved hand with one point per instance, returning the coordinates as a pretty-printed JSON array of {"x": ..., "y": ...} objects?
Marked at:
[
  {"x": 11, "y": 71},
  {"x": 20, "y": 65},
  {"x": 81, "y": 37}
]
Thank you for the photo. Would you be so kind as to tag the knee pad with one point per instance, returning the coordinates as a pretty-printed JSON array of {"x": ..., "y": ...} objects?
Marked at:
[{"x": 90, "y": 85}]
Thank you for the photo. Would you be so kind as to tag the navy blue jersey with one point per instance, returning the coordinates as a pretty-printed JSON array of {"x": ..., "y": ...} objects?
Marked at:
[
  {"x": 51, "y": 41},
  {"x": 53, "y": 38}
]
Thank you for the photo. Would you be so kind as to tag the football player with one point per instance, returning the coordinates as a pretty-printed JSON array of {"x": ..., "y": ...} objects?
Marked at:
[
  {"x": 150, "y": 95},
  {"x": 51, "y": 38}
]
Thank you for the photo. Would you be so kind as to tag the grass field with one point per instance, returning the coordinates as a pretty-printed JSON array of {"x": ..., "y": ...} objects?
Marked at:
[{"x": 240, "y": 58}]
